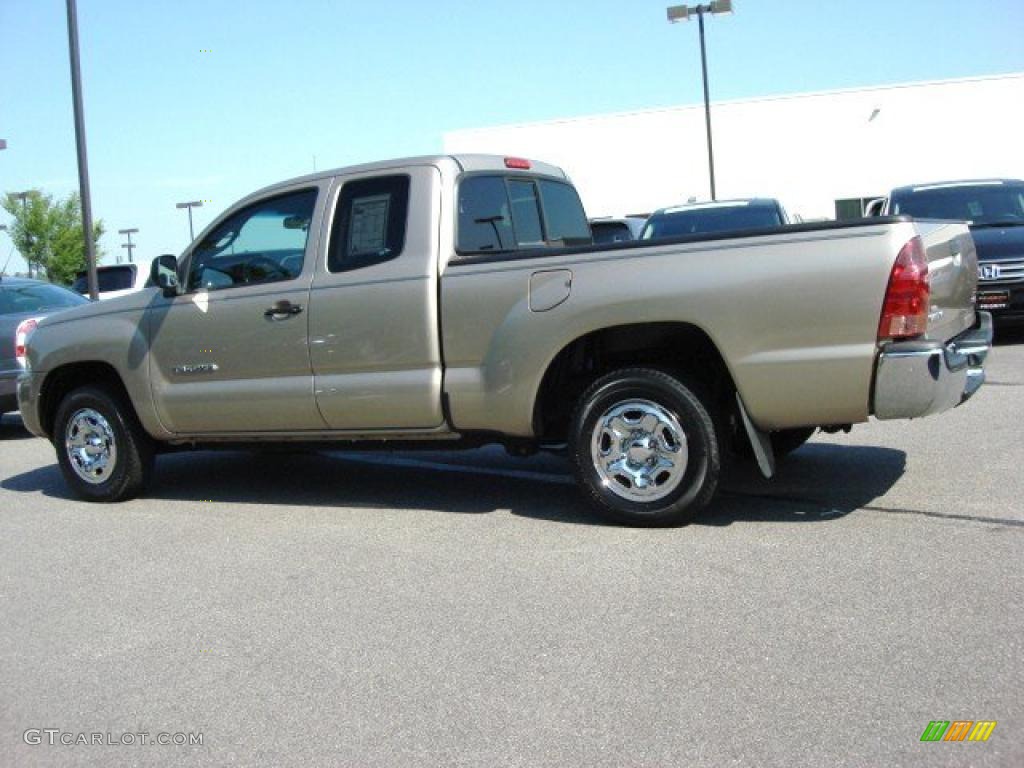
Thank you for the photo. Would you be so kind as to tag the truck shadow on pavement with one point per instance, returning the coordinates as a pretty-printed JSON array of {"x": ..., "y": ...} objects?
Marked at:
[
  {"x": 1005, "y": 337},
  {"x": 11, "y": 428},
  {"x": 818, "y": 483}
]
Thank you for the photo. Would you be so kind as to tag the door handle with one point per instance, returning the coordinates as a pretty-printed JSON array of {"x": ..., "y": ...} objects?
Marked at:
[{"x": 282, "y": 310}]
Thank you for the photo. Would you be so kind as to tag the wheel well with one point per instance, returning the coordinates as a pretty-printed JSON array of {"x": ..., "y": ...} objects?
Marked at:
[
  {"x": 64, "y": 379},
  {"x": 681, "y": 349}
]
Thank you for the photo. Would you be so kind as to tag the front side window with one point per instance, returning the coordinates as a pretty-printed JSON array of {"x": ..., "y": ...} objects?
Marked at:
[
  {"x": 262, "y": 243},
  {"x": 369, "y": 224}
]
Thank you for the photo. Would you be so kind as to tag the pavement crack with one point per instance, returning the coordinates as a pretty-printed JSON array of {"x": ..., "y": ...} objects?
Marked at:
[
  {"x": 838, "y": 510},
  {"x": 948, "y": 516}
]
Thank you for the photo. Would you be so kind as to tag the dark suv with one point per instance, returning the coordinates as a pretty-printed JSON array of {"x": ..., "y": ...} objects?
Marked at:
[{"x": 994, "y": 210}]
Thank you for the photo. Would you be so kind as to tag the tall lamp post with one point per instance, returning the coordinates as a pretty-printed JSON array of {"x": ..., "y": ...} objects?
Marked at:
[
  {"x": 83, "y": 160},
  {"x": 678, "y": 13},
  {"x": 190, "y": 206},
  {"x": 129, "y": 245}
]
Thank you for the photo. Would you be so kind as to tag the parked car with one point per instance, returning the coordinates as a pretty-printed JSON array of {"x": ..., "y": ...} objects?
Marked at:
[
  {"x": 23, "y": 303},
  {"x": 994, "y": 211},
  {"x": 607, "y": 229},
  {"x": 459, "y": 300},
  {"x": 113, "y": 280},
  {"x": 711, "y": 218}
]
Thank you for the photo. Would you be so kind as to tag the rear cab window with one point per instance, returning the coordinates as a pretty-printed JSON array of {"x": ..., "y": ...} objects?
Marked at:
[{"x": 500, "y": 213}]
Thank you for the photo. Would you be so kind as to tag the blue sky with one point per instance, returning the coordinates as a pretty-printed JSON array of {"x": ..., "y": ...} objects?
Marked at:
[{"x": 350, "y": 82}]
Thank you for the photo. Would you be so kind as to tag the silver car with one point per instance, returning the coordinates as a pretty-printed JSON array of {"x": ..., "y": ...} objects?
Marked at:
[{"x": 22, "y": 303}]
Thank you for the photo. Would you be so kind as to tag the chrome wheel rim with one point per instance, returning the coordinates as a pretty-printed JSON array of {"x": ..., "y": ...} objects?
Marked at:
[
  {"x": 639, "y": 450},
  {"x": 91, "y": 449}
]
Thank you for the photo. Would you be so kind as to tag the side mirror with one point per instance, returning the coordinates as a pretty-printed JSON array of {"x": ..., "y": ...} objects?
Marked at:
[{"x": 164, "y": 274}]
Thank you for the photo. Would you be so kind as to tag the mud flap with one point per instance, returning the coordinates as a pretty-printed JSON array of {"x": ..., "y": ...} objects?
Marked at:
[{"x": 760, "y": 441}]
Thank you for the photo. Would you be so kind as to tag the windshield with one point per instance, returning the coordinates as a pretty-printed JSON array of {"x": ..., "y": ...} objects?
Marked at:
[
  {"x": 702, "y": 221},
  {"x": 36, "y": 297},
  {"x": 980, "y": 205}
]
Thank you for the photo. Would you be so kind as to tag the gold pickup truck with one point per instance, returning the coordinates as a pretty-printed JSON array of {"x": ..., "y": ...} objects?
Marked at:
[{"x": 459, "y": 300}]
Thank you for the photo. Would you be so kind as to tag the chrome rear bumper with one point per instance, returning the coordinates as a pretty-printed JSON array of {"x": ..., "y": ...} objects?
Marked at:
[{"x": 919, "y": 378}]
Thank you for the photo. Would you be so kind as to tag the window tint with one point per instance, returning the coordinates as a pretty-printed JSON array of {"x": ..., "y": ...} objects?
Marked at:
[
  {"x": 525, "y": 212},
  {"x": 703, "y": 221},
  {"x": 118, "y": 278},
  {"x": 485, "y": 221},
  {"x": 563, "y": 214},
  {"x": 369, "y": 224},
  {"x": 610, "y": 232},
  {"x": 36, "y": 297},
  {"x": 500, "y": 214},
  {"x": 263, "y": 243}
]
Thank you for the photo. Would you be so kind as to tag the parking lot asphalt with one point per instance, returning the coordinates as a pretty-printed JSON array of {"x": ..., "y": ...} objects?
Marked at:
[{"x": 467, "y": 608}]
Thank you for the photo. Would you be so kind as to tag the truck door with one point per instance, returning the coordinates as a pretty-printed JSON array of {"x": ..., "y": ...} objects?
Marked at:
[
  {"x": 374, "y": 337},
  {"x": 231, "y": 353}
]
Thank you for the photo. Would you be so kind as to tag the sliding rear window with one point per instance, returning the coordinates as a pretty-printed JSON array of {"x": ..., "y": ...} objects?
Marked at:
[{"x": 507, "y": 213}]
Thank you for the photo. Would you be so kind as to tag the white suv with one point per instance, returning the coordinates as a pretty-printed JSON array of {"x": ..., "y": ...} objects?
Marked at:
[{"x": 114, "y": 280}]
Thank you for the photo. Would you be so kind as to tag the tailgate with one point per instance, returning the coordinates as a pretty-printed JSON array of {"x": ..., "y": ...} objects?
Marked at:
[{"x": 953, "y": 276}]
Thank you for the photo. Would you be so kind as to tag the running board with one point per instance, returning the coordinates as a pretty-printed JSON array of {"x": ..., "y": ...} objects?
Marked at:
[{"x": 760, "y": 441}]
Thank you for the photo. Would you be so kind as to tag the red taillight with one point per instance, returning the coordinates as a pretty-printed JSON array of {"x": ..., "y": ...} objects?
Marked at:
[
  {"x": 25, "y": 327},
  {"x": 517, "y": 162},
  {"x": 905, "y": 311}
]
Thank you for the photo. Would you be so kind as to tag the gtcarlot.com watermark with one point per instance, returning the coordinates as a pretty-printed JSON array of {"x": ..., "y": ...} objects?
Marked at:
[{"x": 55, "y": 737}]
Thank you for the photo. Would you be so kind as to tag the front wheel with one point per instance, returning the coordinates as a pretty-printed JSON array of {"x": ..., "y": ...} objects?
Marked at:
[
  {"x": 645, "y": 448},
  {"x": 103, "y": 452}
]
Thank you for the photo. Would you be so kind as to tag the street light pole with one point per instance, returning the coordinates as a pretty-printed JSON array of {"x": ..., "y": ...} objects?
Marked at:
[
  {"x": 190, "y": 205},
  {"x": 129, "y": 245},
  {"x": 707, "y": 100},
  {"x": 83, "y": 160},
  {"x": 682, "y": 13}
]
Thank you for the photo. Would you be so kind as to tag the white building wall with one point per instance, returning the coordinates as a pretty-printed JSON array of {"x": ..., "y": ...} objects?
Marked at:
[{"x": 807, "y": 149}]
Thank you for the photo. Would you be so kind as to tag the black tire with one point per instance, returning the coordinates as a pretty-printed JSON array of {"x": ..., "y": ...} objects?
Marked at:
[
  {"x": 699, "y": 479},
  {"x": 133, "y": 458},
  {"x": 785, "y": 441}
]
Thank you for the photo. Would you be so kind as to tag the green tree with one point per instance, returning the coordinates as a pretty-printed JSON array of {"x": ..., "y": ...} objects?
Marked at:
[{"x": 48, "y": 234}]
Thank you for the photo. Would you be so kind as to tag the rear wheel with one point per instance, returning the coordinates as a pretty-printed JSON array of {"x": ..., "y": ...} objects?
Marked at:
[
  {"x": 103, "y": 452},
  {"x": 645, "y": 448}
]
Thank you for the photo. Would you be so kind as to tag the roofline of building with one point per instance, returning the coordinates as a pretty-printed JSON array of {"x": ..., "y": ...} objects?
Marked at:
[{"x": 733, "y": 102}]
